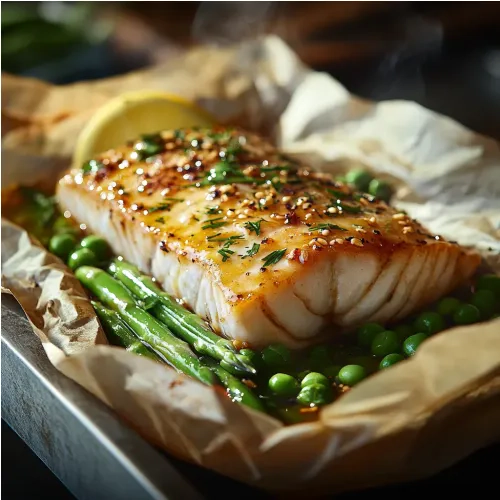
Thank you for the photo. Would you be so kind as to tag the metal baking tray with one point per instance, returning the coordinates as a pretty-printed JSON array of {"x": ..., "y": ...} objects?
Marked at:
[
  {"x": 79, "y": 438},
  {"x": 97, "y": 456}
]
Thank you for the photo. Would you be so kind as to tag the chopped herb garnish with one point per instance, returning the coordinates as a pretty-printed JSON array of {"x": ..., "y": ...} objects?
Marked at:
[
  {"x": 160, "y": 206},
  {"x": 173, "y": 199},
  {"x": 210, "y": 238},
  {"x": 213, "y": 210},
  {"x": 161, "y": 220},
  {"x": 92, "y": 166},
  {"x": 228, "y": 241},
  {"x": 213, "y": 223},
  {"x": 226, "y": 253},
  {"x": 348, "y": 208},
  {"x": 255, "y": 248},
  {"x": 254, "y": 226},
  {"x": 149, "y": 145},
  {"x": 179, "y": 134},
  {"x": 337, "y": 193},
  {"x": 321, "y": 227},
  {"x": 273, "y": 257},
  {"x": 275, "y": 168}
]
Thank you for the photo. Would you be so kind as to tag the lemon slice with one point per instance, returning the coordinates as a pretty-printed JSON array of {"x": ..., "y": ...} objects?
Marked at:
[{"x": 129, "y": 115}]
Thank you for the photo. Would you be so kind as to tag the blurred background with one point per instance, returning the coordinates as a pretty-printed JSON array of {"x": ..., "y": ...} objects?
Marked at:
[{"x": 444, "y": 55}]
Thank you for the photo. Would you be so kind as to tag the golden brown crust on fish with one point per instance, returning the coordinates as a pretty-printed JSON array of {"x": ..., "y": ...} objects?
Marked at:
[{"x": 258, "y": 226}]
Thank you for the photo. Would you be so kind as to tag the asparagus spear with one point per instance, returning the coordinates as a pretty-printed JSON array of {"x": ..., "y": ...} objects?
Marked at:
[
  {"x": 115, "y": 296},
  {"x": 118, "y": 333},
  {"x": 185, "y": 324},
  {"x": 237, "y": 390}
]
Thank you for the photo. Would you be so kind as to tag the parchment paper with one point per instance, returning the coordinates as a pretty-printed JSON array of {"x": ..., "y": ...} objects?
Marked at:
[{"x": 403, "y": 423}]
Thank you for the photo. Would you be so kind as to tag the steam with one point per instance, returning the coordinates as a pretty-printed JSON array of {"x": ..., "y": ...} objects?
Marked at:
[
  {"x": 226, "y": 23},
  {"x": 401, "y": 69}
]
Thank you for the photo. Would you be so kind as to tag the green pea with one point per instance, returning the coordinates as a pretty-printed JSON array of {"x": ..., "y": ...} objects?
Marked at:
[
  {"x": 367, "y": 332},
  {"x": 389, "y": 360},
  {"x": 315, "y": 394},
  {"x": 489, "y": 282},
  {"x": 276, "y": 356},
  {"x": 331, "y": 371},
  {"x": 351, "y": 374},
  {"x": 360, "y": 179},
  {"x": 314, "y": 378},
  {"x": 62, "y": 245},
  {"x": 319, "y": 357},
  {"x": 97, "y": 245},
  {"x": 485, "y": 301},
  {"x": 429, "y": 322},
  {"x": 466, "y": 314},
  {"x": 62, "y": 225},
  {"x": 384, "y": 343},
  {"x": 447, "y": 306},
  {"x": 380, "y": 189},
  {"x": 284, "y": 385},
  {"x": 82, "y": 257},
  {"x": 411, "y": 344},
  {"x": 403, "y": 332}
]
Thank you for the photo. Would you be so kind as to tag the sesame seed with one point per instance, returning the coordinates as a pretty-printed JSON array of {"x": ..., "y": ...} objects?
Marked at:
[
  {"x": 286, "y": 199},
  {"x": 242, "y": 216},
  {"x": 308, "y": 216},
  {"x": 299, "y": 202},
  {"x": 224, "y": 198},
  {"x": 399, "y": 216},
  {"x": 325, "y": 232},
  {"x": 312, "y": 242},
  {"x": 340, "y": 241},
  {"x": 230, "y": 213},
  {"x": 402, "y": 222},
  {"x": 304, "y": 255},
  {"x": 372, "y": 220},
  {"x": 332, "y": 210},
  {"x": 307, "y": 205},
  {"x": 408, "y": 229},
  {"x": 360, "y": 230},
  {"x": 322, "y": 242},
  {"x": 259, "y": 194},
  {"x": 357, "y": 242}
]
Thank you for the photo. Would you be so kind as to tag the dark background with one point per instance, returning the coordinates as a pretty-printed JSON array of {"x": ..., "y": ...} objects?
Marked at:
[{"x": 444, "y": 55}]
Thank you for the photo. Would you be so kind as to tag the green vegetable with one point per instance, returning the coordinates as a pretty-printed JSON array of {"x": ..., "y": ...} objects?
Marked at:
[
  {"x": 360, "y": 179},
  {"x": 97, "y": 245},
  {"x": 276, "y": 356},
  {"x": 411, "y": 344},
  {"x": 389, "y": 360},
  {"x": 331, "y": 371},
  {"x": 352, "y": 374},
  {"x": 367, "y": 332},
  {"x": 115, "y": 296},
  {"x": 466, "y": 314},
  {"x": 236, "y": 389},
  {"x": 429, "y": 322},
  {"x": 380, "y": 189},
  {"x": 315, "y": 394},
  {"x": 118, "y": 333},
  {"x": 385, "y": 343},
  {"x": 315, "y": 378},
  {"x": 283, "y": 385},
  {"x": 82, "y": 257},
  {"x": 183, "y": 323},
  {"x": 403, "y": 332},
  {"x": 62, "y": 245},
  {"x": 319, "y": 358},
  {"x": 273, "y": 257},
  {"x": 447, "y": 306},
  {"x": 489, "y": 282},
  {"x": 485, "y": 301}
]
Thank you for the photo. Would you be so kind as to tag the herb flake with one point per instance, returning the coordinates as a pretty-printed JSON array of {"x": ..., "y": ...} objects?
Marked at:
[
  {"x": 273, "y": 257},
  {"x": 321, "y": 227},
  {"x": 254, "y": 226},
  {"x": 255, "y": 248}
]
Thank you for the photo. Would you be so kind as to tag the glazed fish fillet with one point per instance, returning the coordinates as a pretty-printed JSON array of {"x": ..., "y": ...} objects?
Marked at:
[{"x": 261, "y": 246}]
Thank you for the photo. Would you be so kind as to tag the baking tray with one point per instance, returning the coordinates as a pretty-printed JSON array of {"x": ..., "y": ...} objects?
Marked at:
[
  {"x": 97, "y": 456},
  {"x": 79, "y": 438}
]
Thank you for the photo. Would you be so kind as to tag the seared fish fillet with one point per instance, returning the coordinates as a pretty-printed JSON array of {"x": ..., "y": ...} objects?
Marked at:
[{"x": 262, "y": 247}]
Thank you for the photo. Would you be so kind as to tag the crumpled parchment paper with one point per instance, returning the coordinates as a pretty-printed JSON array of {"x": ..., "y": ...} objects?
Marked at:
[{"x": 403, "y": 423}]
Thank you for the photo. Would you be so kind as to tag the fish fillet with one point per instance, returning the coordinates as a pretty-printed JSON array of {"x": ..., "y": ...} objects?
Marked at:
[{"x": 264, "y": 248}]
